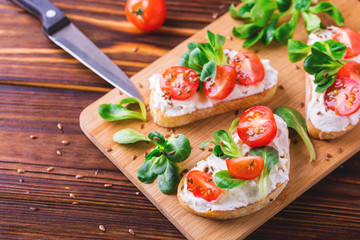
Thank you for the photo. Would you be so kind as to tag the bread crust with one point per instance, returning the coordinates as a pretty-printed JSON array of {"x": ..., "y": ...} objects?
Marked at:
[
  {"x": 313, "y": 131},
  {"x": 162, "y": 119},
  {"x": 238, "y": 212}
]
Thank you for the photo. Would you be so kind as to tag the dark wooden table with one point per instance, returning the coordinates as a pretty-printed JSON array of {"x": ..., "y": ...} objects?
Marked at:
[{"x": 41, "y": 86}]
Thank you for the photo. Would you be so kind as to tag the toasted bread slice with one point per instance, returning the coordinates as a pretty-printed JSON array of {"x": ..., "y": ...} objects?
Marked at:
[
  {"x": 164, "y": 120},
  {"x": 313, "y": 131},
  {"x": 238, "y": 212}
]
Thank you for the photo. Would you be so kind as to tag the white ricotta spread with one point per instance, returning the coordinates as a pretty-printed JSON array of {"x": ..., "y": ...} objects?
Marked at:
[
  {"x": 248, "y": 192},
  {"x": 322, "y": 118},
  {"x": 200, "y": 101}
]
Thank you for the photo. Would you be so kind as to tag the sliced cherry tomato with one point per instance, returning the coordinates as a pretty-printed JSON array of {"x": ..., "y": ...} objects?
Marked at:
[
  {"x": 246, "y": 168},
  {"x": 147, "y": 15},
  {"x": 257, "y": 126},
  {"x": 223, "y": 84},
  {"x": 249, "y": 69},
  {"x": 343, "y": 96},
  {"x": 350, "y": 38},
  {"x": 202, "y": 185},
  {"x": 179, "y": 83},
  {"x": 350, "y": 70}
]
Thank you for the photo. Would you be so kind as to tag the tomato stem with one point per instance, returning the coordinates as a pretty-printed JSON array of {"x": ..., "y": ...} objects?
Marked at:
[{"x": 139, "y": 13}]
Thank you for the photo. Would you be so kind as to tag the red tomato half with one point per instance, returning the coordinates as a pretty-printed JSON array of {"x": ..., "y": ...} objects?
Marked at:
[
  {"x": 147, "y": 15},
  {"x": 202, "y": 185},
  {"x": 179, "y": 83},
  {"x": 223, "y": 84},
  {"x": 343, "y": 96},
  {"x": 248, "y": 67},
  {"x": 246, "y": 168},
  {"x": 257, "y": 126},
  {"x": 350, "y": 70},
  {"x": 350, "y": 38}
]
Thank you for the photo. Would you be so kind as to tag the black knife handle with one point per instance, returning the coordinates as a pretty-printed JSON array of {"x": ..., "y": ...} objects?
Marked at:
[{"x": 51, "y": 17}]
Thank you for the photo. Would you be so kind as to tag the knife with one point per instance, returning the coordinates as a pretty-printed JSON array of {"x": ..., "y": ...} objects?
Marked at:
[{"x": 63, "y": 33}]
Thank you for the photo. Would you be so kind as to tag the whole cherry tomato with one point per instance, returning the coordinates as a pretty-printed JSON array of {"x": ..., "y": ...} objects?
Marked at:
[
  {"x": 179, "y": 82},
  {"x": 343, "y": 96},
  {"x": 246, "y": 168},
  {"x": 350, "y": 38},
  {"x": 223, "y": 84},
  {"x": 202, "y": 185},
  {"x": 350, "y": 70},
  {"x": 249, "y": 69},
  {"x": 147, "y": 15},
  {"x": 257, "y": 126}
]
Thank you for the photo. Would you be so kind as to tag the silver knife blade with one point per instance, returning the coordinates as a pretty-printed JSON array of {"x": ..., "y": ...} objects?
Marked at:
[{"x": 72, "y": 40}]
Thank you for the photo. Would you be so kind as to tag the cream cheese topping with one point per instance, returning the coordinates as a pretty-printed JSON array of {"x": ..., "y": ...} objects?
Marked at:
[
  {"x": 322, "y": 118},
  {"x": 247, "y": 193},
  {"x": 200, "y": 101}
]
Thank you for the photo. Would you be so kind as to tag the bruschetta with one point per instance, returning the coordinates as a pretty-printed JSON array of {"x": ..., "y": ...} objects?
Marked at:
[
  {"x": 332, "y": 112},
  {"x": 246, "y": 171},
  {"x": 209, "y": 81}
]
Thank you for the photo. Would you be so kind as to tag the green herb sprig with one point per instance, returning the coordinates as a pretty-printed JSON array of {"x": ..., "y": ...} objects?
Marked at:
[
  {"x": 203, "y": 57},
  {"x": 225, "y": 147},
  {"x": 161, "y": 161},
  {"x": 223, "y": 179},
  {"x": 295, "y": 121},
  {"x": 263, "y": 17},
  {"x": 115, "y": 112},
  {"x": 324, "y": 61},
  {"x": 271, "y": 158}
]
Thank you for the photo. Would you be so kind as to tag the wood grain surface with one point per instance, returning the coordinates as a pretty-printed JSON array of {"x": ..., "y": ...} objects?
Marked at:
[{"x": 41, "y": 86}]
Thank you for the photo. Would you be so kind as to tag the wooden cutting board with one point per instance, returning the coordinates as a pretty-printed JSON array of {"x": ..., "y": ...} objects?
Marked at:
[{"x": 303, "y": 174}]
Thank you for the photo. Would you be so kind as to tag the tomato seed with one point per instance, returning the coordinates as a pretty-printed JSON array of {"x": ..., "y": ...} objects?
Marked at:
[{"x": 190, "y": 180}]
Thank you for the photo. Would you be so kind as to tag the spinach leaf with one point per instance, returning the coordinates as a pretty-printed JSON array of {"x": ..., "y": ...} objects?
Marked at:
[
  {"x": 204, "y": 144},
  {"x": 246, "y": 30},
  {"x": 145, "y": 174},
  {"x": 218, "y": 152},
  {"x": 324, "y": 61},
  {"x": 286, "y": 31},
  {"x": 161, "y": 161},
  {"x": 271, "y": 158},
  {"x": 253, "y": 39},
  {"x": 227, "y": 144},
  {"x": 178, "y": 148},
  {"x": 197, "y": 59},
  {"x": 115, "y": 112},
  {"x": 243, "y": 12},
  {"x": 158, "y": 165},
  {"x": 157, "y": 152},
  {"x": 157, "y": 138},
  {"x": 312, "y": 21},
  {"x": 264, "y": 15},
  {"x": 269, "y": 32},
  {"x": 223, "y": 179},
  {"x": 233, "y": 126},
  {"x": 129, "y": 135},
  {"x": 302, "y": 5},
  {"x": 184, "y": 59},
  {"x": 169, "y": 180},
  {"x": 330, "y": 9},
  {"x": 335, "y": 48},
  {"x": 330, "y": 80},
  {"x": 295, "y": 121},
  {"x": 209, "y": 70},
  {"x": 283, "y": 5},
  {"x": 262, "y": 12},
  {"x": 297, "y": 50},
  {"x": 203, "y": 57}
]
